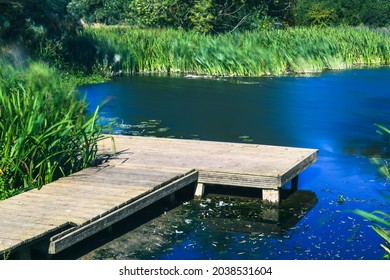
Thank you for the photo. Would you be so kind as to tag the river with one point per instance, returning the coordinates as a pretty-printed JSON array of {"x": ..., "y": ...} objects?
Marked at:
[{"x": 334, "y": 112}]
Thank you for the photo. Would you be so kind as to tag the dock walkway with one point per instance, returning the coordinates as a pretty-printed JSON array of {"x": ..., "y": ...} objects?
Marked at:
[{"x": 143, "y": 171}]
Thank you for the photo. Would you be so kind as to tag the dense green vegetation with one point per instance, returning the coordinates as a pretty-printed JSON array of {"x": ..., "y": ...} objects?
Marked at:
[
  {"x": 45, "y": 131},
  {"x": 35, "y": 26},
  {"x": 50, "y": 30},
  {"x": 255, "y": 53},
  {"x": 227, "y": 15}
]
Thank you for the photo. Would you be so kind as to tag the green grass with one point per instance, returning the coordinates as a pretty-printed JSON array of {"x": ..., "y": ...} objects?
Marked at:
[
  {"x": 45, "y": 131},
  {"x": 272, "y": 52}
]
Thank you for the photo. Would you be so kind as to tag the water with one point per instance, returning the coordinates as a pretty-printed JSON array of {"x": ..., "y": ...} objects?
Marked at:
[{"x": 334, "y": 112}]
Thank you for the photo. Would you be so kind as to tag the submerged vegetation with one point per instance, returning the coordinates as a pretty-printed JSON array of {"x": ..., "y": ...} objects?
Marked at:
[
  {"x": 257, "y": 53},
  {"x": 45, "y": 131}
]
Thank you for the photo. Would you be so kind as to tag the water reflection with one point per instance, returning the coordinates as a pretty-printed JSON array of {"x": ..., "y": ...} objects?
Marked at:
[{"x": 222, "y": 222}]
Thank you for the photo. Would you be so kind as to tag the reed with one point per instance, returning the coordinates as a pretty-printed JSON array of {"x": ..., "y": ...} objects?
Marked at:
[
  {"x": 269, "y": 52},
  {"x": 45, "y": 132}
]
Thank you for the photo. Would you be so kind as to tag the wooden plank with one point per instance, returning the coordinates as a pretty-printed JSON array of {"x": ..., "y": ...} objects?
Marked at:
[
  {"x": 89, "y": 188},
  {"x": 241, "y": 180},
  {"x": 97, "y": 194},
  {"x": 59, "y": 244},
  {"x": 225, "y": 157},
  {"x": 299, "y": 167},
  {"x": 9, "y": 243},
  {"x": 127, "y": 173},
  {"x": 72, "y": 213},
  {"x": 86, "y": 196}
]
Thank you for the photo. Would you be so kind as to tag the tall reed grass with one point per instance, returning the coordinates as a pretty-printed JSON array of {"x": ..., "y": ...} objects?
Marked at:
[
  {"x": 272, "y": 52},
  {"x": 45, "y": 132}
]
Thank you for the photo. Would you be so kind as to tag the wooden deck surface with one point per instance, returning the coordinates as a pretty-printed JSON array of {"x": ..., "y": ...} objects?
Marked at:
[
  {"x": 245, "y": 165},
  {"x": 143, "y": 171}
]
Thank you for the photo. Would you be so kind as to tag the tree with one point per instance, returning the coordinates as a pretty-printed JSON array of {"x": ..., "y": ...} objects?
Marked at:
[
  {"x": 30, "y": 20},
  {"x": 345, "y": 12},
  {"x": 201, "y": 16},
  {"x": 319, "y": 14},
  {"x": 376, "y": 13},
  {"x": 100, "y": 11},
  {"x": 160, "y": 13}
]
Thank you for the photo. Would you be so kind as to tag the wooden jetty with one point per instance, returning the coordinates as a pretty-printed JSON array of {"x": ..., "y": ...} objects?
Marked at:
[{"x": 143, "y": 171}]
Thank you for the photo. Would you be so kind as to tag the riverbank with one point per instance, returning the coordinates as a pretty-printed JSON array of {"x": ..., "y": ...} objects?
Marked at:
[{"x": 120, "y": 49}]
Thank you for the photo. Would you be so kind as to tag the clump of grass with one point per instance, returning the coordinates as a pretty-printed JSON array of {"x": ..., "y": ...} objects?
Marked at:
[
  {"x": 257, "y": 53},
  {"x": 45, "y": 132}
]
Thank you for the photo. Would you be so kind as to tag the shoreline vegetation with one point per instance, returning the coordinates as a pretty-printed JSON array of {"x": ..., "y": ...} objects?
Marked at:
[
  {"x": 46, "y": 131},
  {"x": 126, "y": 50},
  {"x": 41, "y": 143}
]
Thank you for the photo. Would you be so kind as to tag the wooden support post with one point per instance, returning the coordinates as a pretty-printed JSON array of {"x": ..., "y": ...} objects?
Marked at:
[
  {"x": 271, "y": 196},
  {"x": 199, "y": 192},
  {"x": 294, "y": 184}
]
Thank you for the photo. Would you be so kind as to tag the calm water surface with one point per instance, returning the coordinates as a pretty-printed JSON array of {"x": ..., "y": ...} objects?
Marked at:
[{"x": 334, "y": 112}]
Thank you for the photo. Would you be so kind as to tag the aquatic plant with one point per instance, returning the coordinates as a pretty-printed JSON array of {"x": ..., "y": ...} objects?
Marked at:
[
  {"x": 254, "y": 53},
  {"x": 45, "y": 132},
  {"x": 380, "y": 224},
  {"x": 380, "y": 220}
]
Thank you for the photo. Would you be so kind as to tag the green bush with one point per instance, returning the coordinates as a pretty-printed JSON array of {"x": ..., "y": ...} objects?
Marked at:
[{"x": 45, "y": 132}]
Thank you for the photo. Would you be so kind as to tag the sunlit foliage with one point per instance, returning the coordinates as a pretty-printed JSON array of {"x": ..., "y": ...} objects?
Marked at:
[{"x": 45, "y": 131}]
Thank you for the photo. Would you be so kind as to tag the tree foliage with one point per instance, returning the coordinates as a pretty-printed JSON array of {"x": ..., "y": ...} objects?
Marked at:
[
  {"x": 342, "y": 12},
  {"x": 101, "y": 11},
  {"x": 216, "y": 16},
  {"x": 24, "y": 20},
  {"x": 205, "y": 16},
  {"x": 160, "y": 13},
  {"x": 201, "y": 16}
]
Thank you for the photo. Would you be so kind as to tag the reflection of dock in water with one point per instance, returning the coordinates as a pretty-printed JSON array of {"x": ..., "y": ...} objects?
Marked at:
[{"x": 269, "y": 219}]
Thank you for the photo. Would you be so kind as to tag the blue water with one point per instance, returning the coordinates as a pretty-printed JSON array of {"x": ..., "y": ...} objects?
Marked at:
[{"x": 334, "y": 112}]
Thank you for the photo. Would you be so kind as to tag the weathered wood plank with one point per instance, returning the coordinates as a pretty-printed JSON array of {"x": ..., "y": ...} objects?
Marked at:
[
  {"x": 59, "y": 244},
  {"x": 241, "y": 180},
  {"x": 31, "y": 233},
  {"x": 215, "y": 156},
  {"x": 73, "y": 213},
  {"x": 298, "y": 168}
]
